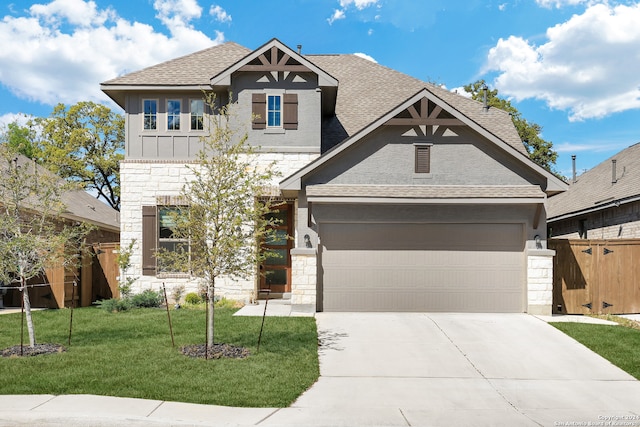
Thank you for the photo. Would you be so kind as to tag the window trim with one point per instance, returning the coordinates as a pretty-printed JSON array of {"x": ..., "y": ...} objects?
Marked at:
[
  {"x": 191, "y": 115},
  {"x": 154, "y": 115},
  {"x": 160, "y": 240},
  {"x": 169, "y": 114},
  {"x": 278, "y": 111}
]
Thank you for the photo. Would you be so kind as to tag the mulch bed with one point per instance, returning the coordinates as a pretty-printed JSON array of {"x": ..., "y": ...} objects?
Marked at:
[
  {"x": 27, "y": 350},
  {"x": 216, "y": 351}
]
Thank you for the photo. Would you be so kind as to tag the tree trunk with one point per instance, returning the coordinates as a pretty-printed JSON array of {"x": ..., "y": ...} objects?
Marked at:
[
  {"x": 210, "y": 320},
  {"x": 27, "y": 312}
]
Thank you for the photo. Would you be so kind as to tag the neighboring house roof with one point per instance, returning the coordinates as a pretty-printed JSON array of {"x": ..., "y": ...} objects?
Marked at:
[
  {"x": 80, "y": 205},
  {"x": 595, "y": 190}
]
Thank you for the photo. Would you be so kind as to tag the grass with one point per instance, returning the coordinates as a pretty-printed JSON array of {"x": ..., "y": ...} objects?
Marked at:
[
  {"x": 129, "y": 354},
  {"x": 619, "y": 344}
]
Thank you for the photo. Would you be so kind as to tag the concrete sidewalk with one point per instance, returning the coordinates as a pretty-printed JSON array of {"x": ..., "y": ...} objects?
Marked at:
[{"x": 89, "y": 410}]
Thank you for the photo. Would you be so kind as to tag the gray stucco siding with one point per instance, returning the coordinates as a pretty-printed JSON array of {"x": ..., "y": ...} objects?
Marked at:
[
  {"x": 184, "y": 144},
  {"x": 386, "y": 157},
  {"x": 306, "y": 138},
  {"x": 160, "y": 143}
]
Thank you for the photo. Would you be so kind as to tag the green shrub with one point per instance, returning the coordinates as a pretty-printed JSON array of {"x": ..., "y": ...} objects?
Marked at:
[
  {"x": 193, "y": 298},
  {"x": 147, "y": 298},
  {"x": 115, "y": 305},
  {"x": 227, "y": 303}
]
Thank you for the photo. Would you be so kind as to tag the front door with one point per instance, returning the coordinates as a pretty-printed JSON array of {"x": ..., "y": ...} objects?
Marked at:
[{"x": 277, "y": 269}]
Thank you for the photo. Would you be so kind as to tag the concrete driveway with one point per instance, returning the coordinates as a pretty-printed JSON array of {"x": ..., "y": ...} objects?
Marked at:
[{"x": 417, "y": 369}]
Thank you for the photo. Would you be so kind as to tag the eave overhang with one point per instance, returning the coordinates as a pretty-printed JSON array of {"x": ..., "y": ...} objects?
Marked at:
[
  {"x": 118, "y": 93},
  {"x": 424, "y": 194}
]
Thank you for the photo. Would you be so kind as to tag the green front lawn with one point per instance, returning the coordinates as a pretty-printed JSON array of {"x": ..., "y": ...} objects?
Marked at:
[
  {"x": 618, "y": 344},
  {"x": 129, "y": 354}
]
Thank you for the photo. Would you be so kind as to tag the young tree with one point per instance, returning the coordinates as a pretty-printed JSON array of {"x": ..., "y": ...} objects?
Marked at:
[
  {"x": 223, "y": 219},
  {"x": 84, "y": 143},
  {"x": 33, "y": 235},
  {"x": 540, "y": 151}
]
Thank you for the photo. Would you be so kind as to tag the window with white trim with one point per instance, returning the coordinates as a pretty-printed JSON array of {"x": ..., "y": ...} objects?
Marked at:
[
  {"x": 274, "y": 111},
  {"x": 173, "y": 114},
  {"x": 150, "y": 114}
]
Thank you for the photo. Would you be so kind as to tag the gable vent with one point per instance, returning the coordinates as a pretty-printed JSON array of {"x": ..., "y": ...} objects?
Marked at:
[{"x": 423, "y": 159}]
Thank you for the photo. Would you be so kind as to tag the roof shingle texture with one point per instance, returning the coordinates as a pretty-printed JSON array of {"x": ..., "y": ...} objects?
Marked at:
[
  {"x": 366, "y": 90},
  {"x": 78, "y": 204},
  {"x": 595, "y": 188},
  {"x": 426, "y": 191}
]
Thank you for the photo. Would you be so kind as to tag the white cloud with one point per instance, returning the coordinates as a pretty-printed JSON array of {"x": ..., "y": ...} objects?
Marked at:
[
  {"x": 9, "y": 118},
  {"x": 588, "y": 66},
  {"x": 359, "y": 4},
  {"x": 560, "y": 3},
  {"x": 365, "y": 56},
  {"x": 219, "y": 14},
  {"x": 337, "y": 14},
  {"x": 460, "y": 91},
  {"x": 60, "y": 51}
]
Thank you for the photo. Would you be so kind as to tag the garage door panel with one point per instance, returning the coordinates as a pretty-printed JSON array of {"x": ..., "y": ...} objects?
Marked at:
[{"x": 409, "y": 270}]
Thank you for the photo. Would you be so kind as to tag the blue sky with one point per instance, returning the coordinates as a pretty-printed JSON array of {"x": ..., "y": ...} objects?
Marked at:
[{"x": 572, "y": 66}]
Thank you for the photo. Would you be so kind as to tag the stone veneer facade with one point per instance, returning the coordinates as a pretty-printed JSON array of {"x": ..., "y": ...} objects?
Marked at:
[
  {"x": 143, "y": 182},
  {"x": 540, "y": 281}
]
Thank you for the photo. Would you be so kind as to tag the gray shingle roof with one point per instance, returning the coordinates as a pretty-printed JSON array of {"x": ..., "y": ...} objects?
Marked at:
[
  {"x": 366, "y": 90},
  {"x": 195, "y": 69},
  {"x": 594, "y": 188},
  {"x": 425, "y": 191},
  {"x": 79, "y": 205}
]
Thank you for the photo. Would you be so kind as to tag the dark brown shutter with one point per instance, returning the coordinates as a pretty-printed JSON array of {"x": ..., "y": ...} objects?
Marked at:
[
  {"x": 149, "y": 240},
  {"x": 290, "y": 111},
  {"x": 423, "y": 159},
  {"x": 259, "y": 110}
]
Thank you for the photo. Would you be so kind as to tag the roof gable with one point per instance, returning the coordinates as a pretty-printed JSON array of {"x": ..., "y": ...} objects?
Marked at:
[
  {"x": 427, "y": 114},
  {"x": 273, "y": 56}
]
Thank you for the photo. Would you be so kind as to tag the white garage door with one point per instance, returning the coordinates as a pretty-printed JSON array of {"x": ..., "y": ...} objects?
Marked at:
[{"x": 422, "y": 267}]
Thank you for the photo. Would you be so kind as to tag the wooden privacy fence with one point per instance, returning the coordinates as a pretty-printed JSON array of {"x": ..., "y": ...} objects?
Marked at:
[
  {"x": 96, "y": 280},
  {"x": 596, "y": 276}
]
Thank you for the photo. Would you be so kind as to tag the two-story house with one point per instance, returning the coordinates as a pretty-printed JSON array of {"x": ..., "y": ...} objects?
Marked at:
[{"x": 400, "y": 195}]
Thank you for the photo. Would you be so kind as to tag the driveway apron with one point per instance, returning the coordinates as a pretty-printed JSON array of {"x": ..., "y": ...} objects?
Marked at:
[{"x": 442, "y": 369}]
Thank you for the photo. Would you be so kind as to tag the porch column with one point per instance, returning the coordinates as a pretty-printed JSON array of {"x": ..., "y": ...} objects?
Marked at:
[
  {"x": 303, "y": 279},
  {"x": 540, "y": 281}
]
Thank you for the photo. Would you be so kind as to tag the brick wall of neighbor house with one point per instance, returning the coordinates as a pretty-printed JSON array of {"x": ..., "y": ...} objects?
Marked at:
[
  {"x": 142, "y": 182},
  {"x": 622, "y": 222},
  {"x": 540, "y": 281}
]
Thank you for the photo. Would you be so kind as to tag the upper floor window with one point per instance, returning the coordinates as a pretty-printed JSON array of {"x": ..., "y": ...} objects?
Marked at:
[
  {"x": 274, "y": 111},
  {"x": 197, "y": 114},
  {"x": 173, "y": 114},
  {"x": 150, "y": 107}
]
